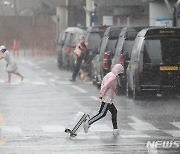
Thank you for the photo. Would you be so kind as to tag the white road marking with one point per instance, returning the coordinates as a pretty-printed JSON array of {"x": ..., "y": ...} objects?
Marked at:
[
  {"x": 49, "y": 73},
  {"x": 132, "y": 134},
  {"x": 39, "y": 83},
  {"x": 174, "y": 133},
  {"x": 43, "y": 70},
  {"x": 37, "y": 67},
  {"x": 11, "y": 129},
  {"x": 57, "y": 77},
  {"x": 136, "y": 120},
  {"x": 176, "y": 124},
  {"x": 52, "y": 80},
  {"x": 95, "y": 98},
  {"x": 63, "y": 82},
  {"x": 1, "y": 81},
  {"x": 12, "y": 83},
  {"x": 30, "y": 63},
  {"x": 100, "y": 128},
  {"x": 140, "y": 125},
  {"x": 87, "y": 82},
  {"x": 79, "y": 89},
  {"x": 51, "y": 129},
  {"x": 88, "y": 136},
  {"x": 152, "y": 150}
]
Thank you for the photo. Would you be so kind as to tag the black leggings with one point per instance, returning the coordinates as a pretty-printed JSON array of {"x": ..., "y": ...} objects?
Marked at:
[
  {"x": 76, "y": 68},
  {"x": 102, "y": 113}
]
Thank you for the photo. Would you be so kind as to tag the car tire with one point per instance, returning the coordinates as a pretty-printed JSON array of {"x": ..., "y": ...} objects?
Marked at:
[
  {"x": 135, "y": 93},
  {"x": 128, "y": 90},
  {"x": 94, "y": 79}
]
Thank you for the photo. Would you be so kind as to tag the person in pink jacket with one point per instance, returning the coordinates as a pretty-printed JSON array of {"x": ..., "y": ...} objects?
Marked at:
[{"x": 107, "y": 94}]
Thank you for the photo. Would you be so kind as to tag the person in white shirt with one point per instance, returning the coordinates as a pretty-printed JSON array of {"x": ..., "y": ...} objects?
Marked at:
[{"x": 11, "y": 66}]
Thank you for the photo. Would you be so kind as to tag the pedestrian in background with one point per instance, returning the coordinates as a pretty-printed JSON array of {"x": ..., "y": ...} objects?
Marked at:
[
  {"x": 11, "y": 66},
  {"x": 81, "y": 53},
  {"x": 107, "y": 94}
]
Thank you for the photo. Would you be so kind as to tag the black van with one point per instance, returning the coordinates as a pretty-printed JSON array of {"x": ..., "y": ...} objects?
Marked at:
[
  {"x": 123, "y": 52},
  {"x": 94, "y": 36},
  {"x": 106, "y": 53},
  {"x": 59, "y": 47},
  {"x": 155, "y": 62}
]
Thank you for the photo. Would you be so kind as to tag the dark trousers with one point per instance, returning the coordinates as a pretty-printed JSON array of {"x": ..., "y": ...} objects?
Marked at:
[
  {"x": 76, "y": 68},
  {"x": 102, "y": 113}
]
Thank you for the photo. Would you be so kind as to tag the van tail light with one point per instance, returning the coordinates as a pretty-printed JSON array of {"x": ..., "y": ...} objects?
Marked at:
[
  {"x": 122, "y": 60},
  {"x": 68, "y": 51},
  {"x": 105, "y": 61}
]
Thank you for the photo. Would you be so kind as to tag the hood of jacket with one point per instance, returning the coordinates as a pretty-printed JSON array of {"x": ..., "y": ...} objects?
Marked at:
[{"x": 117, "y": 69}]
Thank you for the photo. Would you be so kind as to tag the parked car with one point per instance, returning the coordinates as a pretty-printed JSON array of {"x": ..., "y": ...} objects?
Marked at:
[
  {"x": 60, "y": 45},
  {"x": 155, "y": 62},
  {"x": 106, "y": 53},
  {"x": 73, "y": 35},
  {"x": 94, "y": 36},
  {"x": 122, "y": 53}
]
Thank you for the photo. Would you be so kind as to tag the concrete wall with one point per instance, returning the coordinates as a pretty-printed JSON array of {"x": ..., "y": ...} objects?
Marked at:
[{"x": 62, "y": 19}]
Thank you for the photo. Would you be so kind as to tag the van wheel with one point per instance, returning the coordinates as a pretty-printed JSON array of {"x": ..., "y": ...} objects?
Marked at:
[
  {"x": 128, "y": 90},
  {"x": 135, "y": 93},
  {"x": 94, "y": 80}
]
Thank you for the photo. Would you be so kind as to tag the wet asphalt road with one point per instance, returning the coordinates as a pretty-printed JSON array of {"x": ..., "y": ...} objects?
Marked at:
[{"x": 33, "y": 115}]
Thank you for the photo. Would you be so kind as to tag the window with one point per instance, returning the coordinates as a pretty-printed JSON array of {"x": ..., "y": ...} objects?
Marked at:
[
  {"x": 103, "y": 45},
  {"x": 162, "y": 51},
  {"x": 119, "y": 46},
  {"x": 94, "y": 40},
  {"x": 127, "y": 47},
  {"x": 152, "y": 52},
  {"x": 111, "y": 45}
]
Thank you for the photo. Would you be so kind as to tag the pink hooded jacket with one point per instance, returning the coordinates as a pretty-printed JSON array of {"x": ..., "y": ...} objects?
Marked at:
[{"x": 108, "y": 86}]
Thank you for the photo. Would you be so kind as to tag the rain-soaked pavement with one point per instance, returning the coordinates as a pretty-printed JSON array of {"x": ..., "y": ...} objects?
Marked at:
[{"x": 33, "y": 115}]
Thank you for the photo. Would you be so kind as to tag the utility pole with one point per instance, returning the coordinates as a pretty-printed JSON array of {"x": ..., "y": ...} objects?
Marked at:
[
  {"x": 173, "y": 10},
  {"x": 90, "y": 9},
  {"x": 174, "y": 17}
]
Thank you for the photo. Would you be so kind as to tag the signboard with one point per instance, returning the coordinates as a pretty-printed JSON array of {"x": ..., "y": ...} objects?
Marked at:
[
  {"x": 108, "y": 20},
  {"x": 164, "y": 22},
  {"x": 94, "y": 18}
]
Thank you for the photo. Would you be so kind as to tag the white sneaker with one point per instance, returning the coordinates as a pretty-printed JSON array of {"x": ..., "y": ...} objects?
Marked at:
[
  {"x": 115, "y": 132},
  {"x": 86, "y": 126}
]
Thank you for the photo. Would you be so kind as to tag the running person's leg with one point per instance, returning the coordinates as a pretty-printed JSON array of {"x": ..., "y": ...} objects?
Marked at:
[
  {"x": 9, "y": 78},
  {"x": 102, "y": 113},
  {"x": 113, "y": 111},
  {"x": 18, "y": 74},
  {"x": 76, "y": 69}
]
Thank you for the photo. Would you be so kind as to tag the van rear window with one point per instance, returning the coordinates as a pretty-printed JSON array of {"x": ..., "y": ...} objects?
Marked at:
[
  {"x": 162, "y": 51},
  {"x": 93, "y": 40}
]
